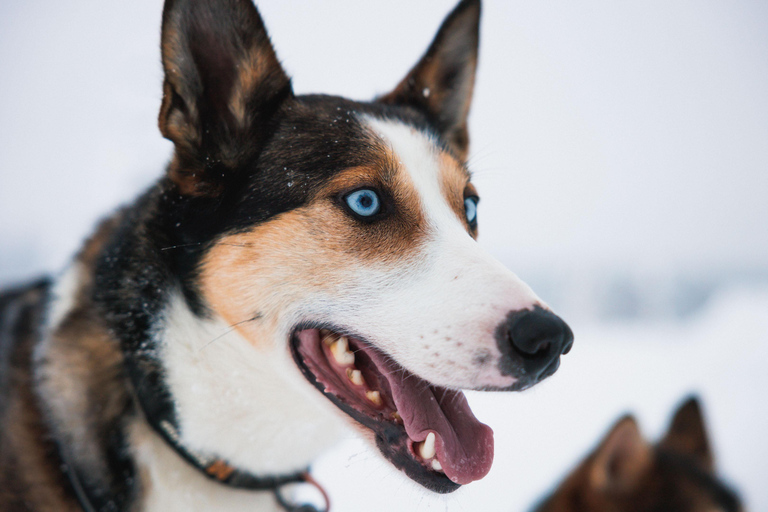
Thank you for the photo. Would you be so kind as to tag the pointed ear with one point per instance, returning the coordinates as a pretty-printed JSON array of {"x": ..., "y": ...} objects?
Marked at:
[
  {"x": 223, "y": 84},
  {"x": 441, "y": 84},
  {"x": 622, "y": 459},
  {"x": 687, "y": 434}
]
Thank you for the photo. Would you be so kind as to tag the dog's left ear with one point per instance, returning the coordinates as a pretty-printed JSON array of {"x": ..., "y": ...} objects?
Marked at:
[
  {"x": 620, "y": 462},
  {"x": 688, "y": 435},
  {"x": 223, "y": 85},
  {"x": 441, "y": 84}
]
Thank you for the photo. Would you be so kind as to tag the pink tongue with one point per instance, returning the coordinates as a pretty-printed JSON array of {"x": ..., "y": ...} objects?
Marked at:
[{"x": 464, "y": 445}]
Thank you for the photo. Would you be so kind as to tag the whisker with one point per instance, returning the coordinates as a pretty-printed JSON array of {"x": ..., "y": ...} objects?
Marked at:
[
  {"x": 230, "y": 329},
  {"x": 192, "y": 244},
  {"x": 180, "y": 245}
]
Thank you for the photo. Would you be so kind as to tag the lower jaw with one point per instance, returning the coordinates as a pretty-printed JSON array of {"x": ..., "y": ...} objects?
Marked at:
[{"x": 390, "y": 437}]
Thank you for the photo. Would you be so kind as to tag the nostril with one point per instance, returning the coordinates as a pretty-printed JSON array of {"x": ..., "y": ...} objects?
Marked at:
[
  {"x": 534, "y": 332},
  {"x": 534, "y": 350},
  {"x": 536, "y": 339}
]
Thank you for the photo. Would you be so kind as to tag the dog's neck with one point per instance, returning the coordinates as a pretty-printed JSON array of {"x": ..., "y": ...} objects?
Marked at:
[
  {"x": 249, "y": 406},
  {"x": 231, "y": 401},
  {"x": 171, "y": 484},
  {"x": 234, "y": 402}
]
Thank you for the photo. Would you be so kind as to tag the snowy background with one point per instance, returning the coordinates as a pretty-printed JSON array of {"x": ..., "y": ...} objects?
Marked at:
[{"x": 621, "y": 151}]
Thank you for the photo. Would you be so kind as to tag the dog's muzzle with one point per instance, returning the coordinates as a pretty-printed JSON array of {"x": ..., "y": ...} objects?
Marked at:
[{"x": 531, "y": 343}]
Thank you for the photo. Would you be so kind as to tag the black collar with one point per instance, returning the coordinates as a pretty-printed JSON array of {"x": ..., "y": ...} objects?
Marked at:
[{"x": 221, "y": 471}]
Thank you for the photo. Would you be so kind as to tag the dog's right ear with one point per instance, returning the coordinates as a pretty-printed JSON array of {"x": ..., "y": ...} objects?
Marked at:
[
  {"x": 621, "y": 460},
  {"x": 442, "y": 82},
  {"x": 223, "y": 85},
  {"x": 688, "y": 435}
]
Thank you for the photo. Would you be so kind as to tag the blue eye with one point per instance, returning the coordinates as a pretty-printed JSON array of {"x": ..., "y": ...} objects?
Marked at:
[
  {"x": 363, "y": 202},
  {"x": 470, "y": 209}
]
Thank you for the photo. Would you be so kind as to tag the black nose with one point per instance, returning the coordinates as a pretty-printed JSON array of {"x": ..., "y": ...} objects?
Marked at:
[{"x": 532, "y": 342}]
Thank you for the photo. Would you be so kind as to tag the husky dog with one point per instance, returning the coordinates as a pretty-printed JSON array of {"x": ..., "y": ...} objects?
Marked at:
[
  {"x": 627, "y": 474},
  {"x": 306, "y": 264}
]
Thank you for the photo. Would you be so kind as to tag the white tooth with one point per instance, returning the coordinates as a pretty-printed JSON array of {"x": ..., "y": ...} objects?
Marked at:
[
  {"x": 340, "y": 352},
  {"x": 427, "y": 448},
  {"x": 355, "y": 376},
  {"x": 436, "y": 465},
  {"x": 345, "y": 358},
  {"x": 374, "y": 396}
]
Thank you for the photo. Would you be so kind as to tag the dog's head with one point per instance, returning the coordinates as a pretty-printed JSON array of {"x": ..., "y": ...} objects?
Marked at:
[
  {"x": 626, "y": 473},
  {"x": 342, "y": 235}
]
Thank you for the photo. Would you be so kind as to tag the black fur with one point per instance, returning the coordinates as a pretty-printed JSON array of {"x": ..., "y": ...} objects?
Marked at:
[{"x": 683, "y": 468}]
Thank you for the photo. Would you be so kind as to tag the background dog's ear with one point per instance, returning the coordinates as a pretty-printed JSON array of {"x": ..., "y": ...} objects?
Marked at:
[
  {"x": 621, "y": 460},
  {"x": 441, "y": 84},
  {"x": 223, "y": 84},
  {"x": 687, "y": 434}
]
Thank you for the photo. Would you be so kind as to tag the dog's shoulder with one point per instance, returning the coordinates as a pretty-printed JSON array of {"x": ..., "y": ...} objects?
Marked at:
[
  {"x": 35, "y": 372},
  {"x": 29, "y": 461}
]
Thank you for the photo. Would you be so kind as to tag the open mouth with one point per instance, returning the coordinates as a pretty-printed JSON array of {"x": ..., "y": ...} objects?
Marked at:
[{"x": 427, "y": 431}]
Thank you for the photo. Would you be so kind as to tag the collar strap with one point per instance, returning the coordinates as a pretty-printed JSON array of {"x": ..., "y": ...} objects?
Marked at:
[{"x": 221, "y": 471}]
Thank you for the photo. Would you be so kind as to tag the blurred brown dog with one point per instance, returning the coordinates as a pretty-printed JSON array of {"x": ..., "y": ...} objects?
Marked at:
[{"x": 627, "y": 474}]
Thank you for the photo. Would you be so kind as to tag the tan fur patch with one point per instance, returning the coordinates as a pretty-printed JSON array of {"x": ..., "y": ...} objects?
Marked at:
[
  {"x": 315, "y": 249},
  {"x": 174, "y": 125},
  {"x": 251, "y": 71}
]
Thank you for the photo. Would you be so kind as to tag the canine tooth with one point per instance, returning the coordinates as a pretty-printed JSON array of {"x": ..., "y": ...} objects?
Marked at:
[
  {"x": 344, "y": 358},
  {"x": 427, "y": 448},
  {"x": 355, "y": 376},
  {"x": 349, "y": 358},
  {"x": 374, "y": 396},
  {"x": 436, "y": 465},
  {"x": 340, "y": 351}
]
